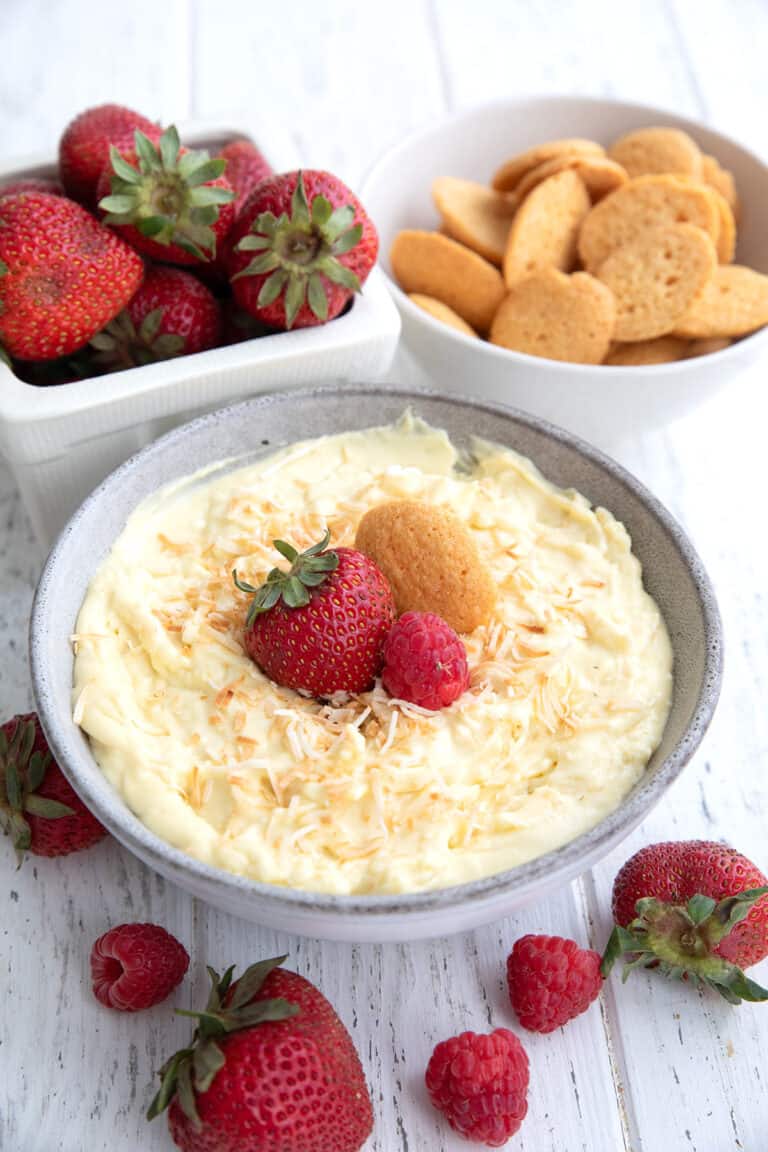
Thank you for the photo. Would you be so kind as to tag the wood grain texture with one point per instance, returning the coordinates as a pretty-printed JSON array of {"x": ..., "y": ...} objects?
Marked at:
[{"x": 655, "y": 1066}]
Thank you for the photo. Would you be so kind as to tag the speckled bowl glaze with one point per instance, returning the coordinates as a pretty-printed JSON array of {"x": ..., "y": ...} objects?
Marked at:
[{"x": 674, "y": 576}]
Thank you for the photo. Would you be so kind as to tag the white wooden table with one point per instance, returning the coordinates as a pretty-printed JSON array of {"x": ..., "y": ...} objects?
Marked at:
[{"x": 656, "y": 1066}]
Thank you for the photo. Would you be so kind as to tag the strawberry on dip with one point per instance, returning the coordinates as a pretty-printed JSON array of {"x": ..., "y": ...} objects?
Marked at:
[{"x": 320, "y": 627}]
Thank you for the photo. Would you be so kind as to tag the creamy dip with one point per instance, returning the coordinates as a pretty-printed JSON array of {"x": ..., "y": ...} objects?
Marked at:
[{"x": 571, "y": 679}]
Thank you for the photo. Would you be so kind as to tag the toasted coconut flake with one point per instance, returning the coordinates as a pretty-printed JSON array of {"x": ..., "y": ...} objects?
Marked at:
[
  {"x": 390, "y": 732},
  {"x": 79, "y": 709},
  {"x": 178, "y": 548}
]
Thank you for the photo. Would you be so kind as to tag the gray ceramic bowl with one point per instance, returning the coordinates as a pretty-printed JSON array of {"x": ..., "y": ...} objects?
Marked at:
[{"x": 673, "y": 575}]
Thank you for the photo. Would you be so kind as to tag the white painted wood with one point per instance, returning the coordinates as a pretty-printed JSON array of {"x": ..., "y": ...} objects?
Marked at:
[{"x": 656, "y": 1066}]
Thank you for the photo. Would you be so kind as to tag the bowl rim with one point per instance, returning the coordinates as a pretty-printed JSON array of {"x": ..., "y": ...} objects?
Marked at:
[
  {"x": 753, "y": 342},
  {"x": 557, "y": 865}
]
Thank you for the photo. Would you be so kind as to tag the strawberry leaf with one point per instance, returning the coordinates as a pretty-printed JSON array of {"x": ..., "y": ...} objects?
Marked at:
[
  {"x": 122, "y": 168},
  {"x": 187, "y": 1094},
  {"x": 207, "y": 1060},
  {"x": 204, "y": 173},
  {"x": 318, "y": 301},
  {"x": 46, "y": 808},
  {"x": 272, "y": 287},
  {"x": 294, "y": 298},
  {"x": 252, "y": 980},
  {"x": 169, "y": 146}
]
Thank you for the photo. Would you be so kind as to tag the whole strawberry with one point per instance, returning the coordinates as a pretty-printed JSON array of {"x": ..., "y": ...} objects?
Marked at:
[
  {"x": 696, "y": 909},
  {"x": 136, "y": 966},
  {"x": 31, "y": 184},
  {"x": 425, "y": 662},
  {"x": 63, "y": 276},
  {"x": 301, "y": 246},
  {"x": 84, "y": 147},
  {"x": 271, "y": 1068},
  {"x": 320, "y": 627},
  {"x": 167, "y": 201},
  {"x": 551, "y": 980},
  {"x": 38, "y": 807},
  {"x": 246, "y": 167},
  {"x": 480, "y": 1084},
  {"x": 172, "y": 314}
]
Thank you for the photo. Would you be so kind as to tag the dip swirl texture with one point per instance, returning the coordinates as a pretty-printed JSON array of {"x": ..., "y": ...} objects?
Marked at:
[{"x": 571, "y": 679}]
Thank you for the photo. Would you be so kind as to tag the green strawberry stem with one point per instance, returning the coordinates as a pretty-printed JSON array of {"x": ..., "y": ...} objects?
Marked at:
[
  {"x": 192, "y": 1070},
  {"x": 22, "y": 771},
  {"x": 298, "y": 250},
  {"x": 308, "y": 570},
  {"x": 681, "y": 940},
  {"x": 168, "y": 197},
  {"x": 121, "y": 345}
]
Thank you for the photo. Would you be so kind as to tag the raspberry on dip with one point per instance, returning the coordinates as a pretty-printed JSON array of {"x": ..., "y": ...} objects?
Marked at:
[{"x": 567, "y": 694}]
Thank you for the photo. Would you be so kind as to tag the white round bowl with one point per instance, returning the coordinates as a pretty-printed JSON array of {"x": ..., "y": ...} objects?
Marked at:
[
  {"x": 603, "y": 404},
  {"x": 673, "y": 575}
]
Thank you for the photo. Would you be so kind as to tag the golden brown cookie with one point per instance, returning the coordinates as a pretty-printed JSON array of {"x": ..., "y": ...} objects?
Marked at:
[
  {"x": 647, "y": 352},
  {"x": 652, "y": 151},
  {"x": 726, "y": 236},
  {"x": 430, "y": 560},
  {"x": 507, "y": 177},
  {"x": 442, "y": 312},
  {"x": 434, "y": 265},
  {"x": 707, "y": 347},
  {"x": 734, "y": 303},
  {"x": 599, "y": 174},
  {"x": 656, "y": 278},
  {"x": 545, "y": 230},
  {"x": 474, "y": 215},
  {"x": 644, "y": 203},
  {"x": 722, "y": 181},
  {"x": 557, "y": 316}
]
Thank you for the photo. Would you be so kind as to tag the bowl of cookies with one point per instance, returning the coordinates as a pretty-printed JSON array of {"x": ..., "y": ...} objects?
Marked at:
[{"x": 597, "y": 263}]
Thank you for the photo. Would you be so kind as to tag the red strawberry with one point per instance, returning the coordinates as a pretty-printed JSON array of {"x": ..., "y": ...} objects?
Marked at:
[
  {"x": 135, "y": 966},
  {"x": 271, "y": 1068},
  {"x": 172, "y": 314},
  {"x": 551, "y": 980},
  {"x": 314, "y": 243},
  {"x": 319, "y": 628},
  {"x": 63, "y": 276},
  {"x": 480, "y": 1084},
  {"x": 246, "y": 167},
  {"x": 425, "y": 662},
  {"x": 38, "y": 807},
  {"x": 698, "y": 910},
  {"x": 84, "y": 147},
  {"x": 168, "y": 202},
  {"x": 32, "y": 184}
]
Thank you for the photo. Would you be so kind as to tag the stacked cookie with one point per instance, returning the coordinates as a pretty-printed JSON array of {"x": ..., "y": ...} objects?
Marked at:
[{"x": 575, "y": 253}]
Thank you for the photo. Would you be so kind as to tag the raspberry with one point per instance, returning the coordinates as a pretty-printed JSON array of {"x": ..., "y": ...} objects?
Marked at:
[
  {"x": 480, "y": 1083},
  {"x": 551, "y": 980},
  {"x": 425, "y": 662},
  {"x": 134, "y": 966}
]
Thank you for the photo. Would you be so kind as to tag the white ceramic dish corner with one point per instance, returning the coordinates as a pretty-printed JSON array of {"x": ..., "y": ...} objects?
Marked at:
[
  {"x": 604, "y": 404},
  {"x": 673, "y": 575},
  {"x": 62, "y": 440}
]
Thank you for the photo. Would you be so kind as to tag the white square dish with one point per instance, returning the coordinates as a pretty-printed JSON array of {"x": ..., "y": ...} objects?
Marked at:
[{"x": 60, "y": 441}]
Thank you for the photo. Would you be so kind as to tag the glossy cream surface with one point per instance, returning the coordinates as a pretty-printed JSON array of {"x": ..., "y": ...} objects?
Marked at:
[{"x": 571, "y": 679}]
